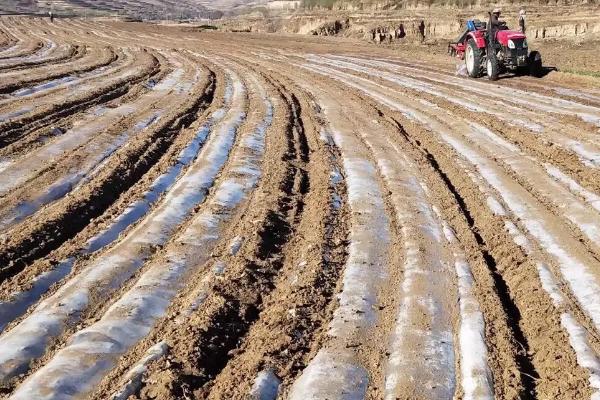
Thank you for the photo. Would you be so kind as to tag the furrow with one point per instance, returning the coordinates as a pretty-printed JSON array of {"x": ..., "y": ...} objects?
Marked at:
[
  {"x": 16, "y": 120},
  {"x": 214, "y": 215},
  {"x": 584, "y": 144},
  {"x": 222, "y": 303},
  {"x": 91, "y": 58},
  {"x": 142, "y": 151},
  {"x": 79, "y": 365},
  {"x": 112, "y": 268},
  {"x": 19, "y": 301},
  {"x": 365, "y": 271},
  {"x": 99, "y": 147},
  {"x": 525, "y": 169},
  {"x": 293, "y": 314},
  {"x": 533, "y": 100},
  {"x": 442, "y": 131}
]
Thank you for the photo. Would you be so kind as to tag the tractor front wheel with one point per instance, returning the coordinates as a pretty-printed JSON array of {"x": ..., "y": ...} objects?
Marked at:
[
  {"x": 535, "y": 64},
  {"x": 473, "y": 57},
  {"x": 493, "y": 69}
]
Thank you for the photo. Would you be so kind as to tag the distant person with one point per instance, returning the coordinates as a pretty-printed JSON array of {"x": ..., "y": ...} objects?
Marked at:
[
  {"x": 422, "y": 30},
  {"x": 522, "y": 14},
  {"x": 400, "y": 32},
  {"x": 51, "y": 16}
]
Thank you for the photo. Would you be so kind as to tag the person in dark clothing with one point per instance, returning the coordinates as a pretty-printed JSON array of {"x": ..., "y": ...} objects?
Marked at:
[
  {"x": 522, "y": 21},
  {"x": 496, "y": 23},
  {"x": 400, "y": 32},
  {"x": 422, "y": 30},
  {"x": 51, "y": 16}
]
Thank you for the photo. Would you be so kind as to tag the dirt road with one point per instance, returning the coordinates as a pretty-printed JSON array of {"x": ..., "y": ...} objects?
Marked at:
[{"x": 199, "y": 215}]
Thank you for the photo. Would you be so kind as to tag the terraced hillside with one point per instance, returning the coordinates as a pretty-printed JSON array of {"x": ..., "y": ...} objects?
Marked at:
[{"x": 207, "y": 215}]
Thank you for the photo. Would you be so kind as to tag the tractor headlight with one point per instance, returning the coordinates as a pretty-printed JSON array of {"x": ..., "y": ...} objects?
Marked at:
[{"x": 511, "y": 44}]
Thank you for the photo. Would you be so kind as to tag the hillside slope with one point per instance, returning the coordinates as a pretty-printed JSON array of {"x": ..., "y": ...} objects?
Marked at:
[
  {"x": 145, "y": 9},
  {"x": 400, "y": 4}
]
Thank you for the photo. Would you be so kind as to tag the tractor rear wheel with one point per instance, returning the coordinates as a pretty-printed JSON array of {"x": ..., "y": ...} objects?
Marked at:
[{"x": 473, "y": 57}]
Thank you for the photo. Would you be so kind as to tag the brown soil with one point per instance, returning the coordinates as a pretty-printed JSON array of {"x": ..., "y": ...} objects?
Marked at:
[{"x": 324, "y": 232}]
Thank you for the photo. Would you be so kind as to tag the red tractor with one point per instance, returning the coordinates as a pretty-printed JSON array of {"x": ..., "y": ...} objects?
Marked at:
[{"x": 494, "y": 51}]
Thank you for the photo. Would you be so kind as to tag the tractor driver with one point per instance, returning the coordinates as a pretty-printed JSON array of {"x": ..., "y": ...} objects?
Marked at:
[{"x": 496, "y": 23}]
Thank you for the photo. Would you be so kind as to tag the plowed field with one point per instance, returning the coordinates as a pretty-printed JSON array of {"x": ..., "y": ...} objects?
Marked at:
[{"x": 217, "y": 216}]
